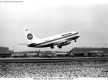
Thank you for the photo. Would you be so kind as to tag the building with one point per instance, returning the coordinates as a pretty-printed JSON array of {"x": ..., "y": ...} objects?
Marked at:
[
  {"x": 5, "y": 52},
  {"x": 89, "y": 52}
]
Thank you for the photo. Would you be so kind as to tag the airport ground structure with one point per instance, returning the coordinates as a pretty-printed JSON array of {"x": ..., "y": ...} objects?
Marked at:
[
  {"x": 89, "y": 52},
  {"x": 74, "y": 52},
  {"x": 5, "y": 52},
  {"x": 39, "y": 54}
]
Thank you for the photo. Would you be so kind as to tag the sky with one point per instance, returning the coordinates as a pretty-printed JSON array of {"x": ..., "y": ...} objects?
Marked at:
[{"x": 45, "y": 18}]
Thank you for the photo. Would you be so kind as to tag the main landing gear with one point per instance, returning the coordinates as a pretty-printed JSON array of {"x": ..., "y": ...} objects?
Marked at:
[
  {"x": 52, "y": 47},
  {"x": 59, "y": 47}
]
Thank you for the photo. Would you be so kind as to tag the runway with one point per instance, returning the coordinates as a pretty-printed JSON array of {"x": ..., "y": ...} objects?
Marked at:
[{"x": 50, "y": 59}]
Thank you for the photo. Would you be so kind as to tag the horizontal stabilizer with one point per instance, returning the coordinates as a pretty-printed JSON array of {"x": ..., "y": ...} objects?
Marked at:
[{"x": 22, "y": 44}]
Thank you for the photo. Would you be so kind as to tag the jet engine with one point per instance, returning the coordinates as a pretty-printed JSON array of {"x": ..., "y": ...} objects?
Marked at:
[{"x": 63, "y": 44}]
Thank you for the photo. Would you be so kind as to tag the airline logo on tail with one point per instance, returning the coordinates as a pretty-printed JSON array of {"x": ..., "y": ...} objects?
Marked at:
[
  {"x": 58, "y": 40},
  {"x": 30, "y": 36}
]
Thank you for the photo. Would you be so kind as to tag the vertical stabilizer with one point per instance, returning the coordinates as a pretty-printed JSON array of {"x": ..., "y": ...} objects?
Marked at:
[{"x": 30, "y": 37}]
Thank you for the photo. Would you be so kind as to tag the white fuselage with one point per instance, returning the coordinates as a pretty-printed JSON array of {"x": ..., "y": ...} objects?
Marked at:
[{"x": 59, "y": 40}]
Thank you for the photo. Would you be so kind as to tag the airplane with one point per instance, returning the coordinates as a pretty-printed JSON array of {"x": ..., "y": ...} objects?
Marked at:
[{"x": 59, "y": 40}]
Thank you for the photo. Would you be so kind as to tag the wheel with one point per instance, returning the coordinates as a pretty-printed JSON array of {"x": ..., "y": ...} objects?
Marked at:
[
  {"x": 75, "y": 41},
  {"x": 52, "y": 47},
  {"x": 60, "y": 46}
]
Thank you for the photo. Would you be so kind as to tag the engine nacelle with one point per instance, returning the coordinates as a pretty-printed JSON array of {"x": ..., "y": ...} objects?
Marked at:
[{"x": 64, "y": 43}]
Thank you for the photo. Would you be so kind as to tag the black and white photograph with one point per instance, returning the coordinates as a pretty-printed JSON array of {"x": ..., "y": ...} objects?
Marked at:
[{"x": 54, "y": 39}]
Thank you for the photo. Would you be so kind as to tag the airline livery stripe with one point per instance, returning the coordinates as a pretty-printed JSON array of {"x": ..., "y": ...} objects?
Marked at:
[{"x": 56, "y": 39}]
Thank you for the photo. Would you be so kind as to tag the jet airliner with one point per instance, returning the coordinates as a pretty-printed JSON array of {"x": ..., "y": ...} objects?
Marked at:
[{"x": 59, "y": 40}]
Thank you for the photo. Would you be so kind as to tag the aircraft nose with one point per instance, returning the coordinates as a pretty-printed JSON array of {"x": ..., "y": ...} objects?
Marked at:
[{"x": 79, "y": 34}]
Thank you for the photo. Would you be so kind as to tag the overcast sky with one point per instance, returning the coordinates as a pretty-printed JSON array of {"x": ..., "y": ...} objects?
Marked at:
[{"x": 45, "y": 18}]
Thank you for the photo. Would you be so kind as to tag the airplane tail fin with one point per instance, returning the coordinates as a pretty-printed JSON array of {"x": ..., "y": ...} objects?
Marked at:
[{"x": 30, "y": 37}]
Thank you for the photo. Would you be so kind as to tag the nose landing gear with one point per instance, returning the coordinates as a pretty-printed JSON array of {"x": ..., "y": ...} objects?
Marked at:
[{"x": 75, "y": 41}]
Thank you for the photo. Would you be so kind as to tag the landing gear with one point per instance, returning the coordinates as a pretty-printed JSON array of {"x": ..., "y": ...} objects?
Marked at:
[
  {"x": 75, "y": 40},
  {"x": 52, "y": 47},
  {"x": 59, "y": 47}
]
